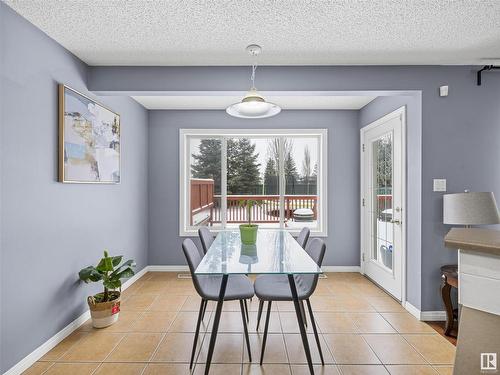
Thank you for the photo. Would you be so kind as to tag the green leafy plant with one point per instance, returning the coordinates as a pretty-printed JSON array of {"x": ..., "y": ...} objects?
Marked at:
[
  {"x": 249, "y": 204},
  {"x": 110, "y": 272}
]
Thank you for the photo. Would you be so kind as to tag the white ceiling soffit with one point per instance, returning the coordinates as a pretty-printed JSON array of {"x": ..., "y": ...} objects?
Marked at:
[
  {"x": 299, "y": 32},
  {"x": 285, "y": 102}
]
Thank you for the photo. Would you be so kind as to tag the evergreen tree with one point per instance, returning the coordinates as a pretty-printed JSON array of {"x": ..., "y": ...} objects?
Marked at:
[
  {"x": 270, "y": 178},
  {"x": 291, "y": 174},
  {"x": 207, "y": 164},
  {"x": 242, "y": 167}
]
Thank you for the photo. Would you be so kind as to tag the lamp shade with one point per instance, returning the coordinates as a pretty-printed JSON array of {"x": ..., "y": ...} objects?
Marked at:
[
  {"x": 470, "y": 209},
  {"x": 253, "y": 105}
]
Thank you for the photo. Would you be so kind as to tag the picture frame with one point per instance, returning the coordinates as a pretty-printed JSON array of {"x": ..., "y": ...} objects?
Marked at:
[{"x": 89, "y": 140}]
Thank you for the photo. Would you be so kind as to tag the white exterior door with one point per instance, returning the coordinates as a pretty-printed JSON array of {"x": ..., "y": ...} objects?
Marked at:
[{"x": 382, "y": 202}]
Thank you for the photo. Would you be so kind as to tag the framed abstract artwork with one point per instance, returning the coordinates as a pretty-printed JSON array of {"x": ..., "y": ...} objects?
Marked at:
[{"x": 89, "y": 140}]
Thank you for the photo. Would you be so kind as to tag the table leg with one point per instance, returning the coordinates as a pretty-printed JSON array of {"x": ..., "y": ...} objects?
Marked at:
[
  {"x": 215, "y": 327},
  {"x": 445, "y": 294},
  {"x": 303, "y": 334}
]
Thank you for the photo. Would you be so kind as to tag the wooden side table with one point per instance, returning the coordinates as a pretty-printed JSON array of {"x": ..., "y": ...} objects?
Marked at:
[{"x": 449, "y": 275}]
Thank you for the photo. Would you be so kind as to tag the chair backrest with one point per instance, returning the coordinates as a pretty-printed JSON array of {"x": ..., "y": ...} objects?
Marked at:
[
  {"x": 206, "y": 238},
  {"x": 303, "y": 237},
  {"x": 316, "y": 249},
  {"x": 193, "y": 258}
]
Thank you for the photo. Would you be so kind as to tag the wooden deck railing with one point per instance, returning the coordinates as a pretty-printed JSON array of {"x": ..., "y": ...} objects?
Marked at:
[
  {"x": 202, "y": 200},
  {"x": 267, "y": 211}
]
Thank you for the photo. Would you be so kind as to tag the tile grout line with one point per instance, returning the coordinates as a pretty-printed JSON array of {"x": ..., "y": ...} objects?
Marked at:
[
  {"x": 48, "y": 368},
  {"x": 282, "y": 333},
  {"x": 157, "y": 347},
  {"x": 201, "y": 341},
  {"x": 284, "y": 341}
]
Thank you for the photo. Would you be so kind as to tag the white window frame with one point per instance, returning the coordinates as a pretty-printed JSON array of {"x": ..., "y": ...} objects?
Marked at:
[{"x": 184, "y": 171}]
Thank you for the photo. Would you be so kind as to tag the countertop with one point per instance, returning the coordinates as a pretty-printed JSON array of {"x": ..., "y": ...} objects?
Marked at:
[{"x": 474, "y": 239}]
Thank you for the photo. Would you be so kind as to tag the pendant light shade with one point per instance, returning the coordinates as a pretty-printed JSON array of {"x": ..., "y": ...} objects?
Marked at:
[{"x": 253, "y": 105}]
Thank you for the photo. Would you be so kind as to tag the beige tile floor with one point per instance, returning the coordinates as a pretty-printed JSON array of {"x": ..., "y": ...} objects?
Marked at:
[{"x": 362, "y": 329}]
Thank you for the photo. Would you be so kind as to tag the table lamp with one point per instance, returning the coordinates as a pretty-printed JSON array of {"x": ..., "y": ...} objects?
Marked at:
[{"x": 476, "y": 208}]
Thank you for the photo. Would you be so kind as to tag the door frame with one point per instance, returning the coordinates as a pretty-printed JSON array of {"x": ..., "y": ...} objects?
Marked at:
[{"x": 401, "y": 111}]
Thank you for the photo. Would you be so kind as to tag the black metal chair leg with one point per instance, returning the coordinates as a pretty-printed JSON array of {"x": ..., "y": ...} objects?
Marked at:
[
  {"x": 303, "y": 312},
  {"x": 266, "y": 326},
  {"x": 215, "y": 327},
  {"x": 245, "y": 328},
  {"x": 205, "y": 303},
  {"x": 303, "y": 334},
  {"x": 313, "y": 323},
  {"x": 246, "y": 311},
  {"x": 195, "y": 342},
  {"x": 259, "y": 314}
]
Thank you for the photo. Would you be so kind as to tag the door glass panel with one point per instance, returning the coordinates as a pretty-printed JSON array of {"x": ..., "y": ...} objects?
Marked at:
[{"x": 381, "y": 191}]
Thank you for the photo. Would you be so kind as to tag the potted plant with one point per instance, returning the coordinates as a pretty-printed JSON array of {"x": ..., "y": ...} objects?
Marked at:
[
  {"x": 248, "y": 231},
  {"x": 105, "y": 306}
]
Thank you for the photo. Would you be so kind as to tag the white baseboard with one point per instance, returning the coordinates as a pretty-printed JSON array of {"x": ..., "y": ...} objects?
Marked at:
[
  {"x": 412, "y": 310},
  {"x": 134, "y": 278},
  {"x": 43, "y": 349},
  {"x": 341, "y": 268},
  {"x": 48, "y": 345},
  {"x": 168, "y": 268},
  {"x": 427, "y": 316}
]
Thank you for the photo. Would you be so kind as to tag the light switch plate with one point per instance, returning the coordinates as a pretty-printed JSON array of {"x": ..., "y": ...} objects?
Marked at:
[{"x": 439, "y": 184}]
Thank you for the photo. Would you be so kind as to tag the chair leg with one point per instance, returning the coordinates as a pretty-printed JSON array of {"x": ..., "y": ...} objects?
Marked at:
[
  {"x": 246, "y": 311},
  {"x": 215, "y": 326},
  {"x": 245, "y": 328},
  {"x": 259, "y": 314},
  {"x": 195, "y": 342},
  {"x": 303, "y": 312},
  {"x": 300, "y": 321},
  {"x": 266, "y": 326},
  {"x": 313, "y": 323},
  {"x": 205, "y": 303}
]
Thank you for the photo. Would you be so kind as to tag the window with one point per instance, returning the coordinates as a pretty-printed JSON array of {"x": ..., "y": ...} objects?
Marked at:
[{"x": 283, "y": 170}]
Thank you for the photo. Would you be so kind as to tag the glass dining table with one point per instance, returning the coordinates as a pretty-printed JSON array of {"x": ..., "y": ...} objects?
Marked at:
[{"x": 275, "y": 252}]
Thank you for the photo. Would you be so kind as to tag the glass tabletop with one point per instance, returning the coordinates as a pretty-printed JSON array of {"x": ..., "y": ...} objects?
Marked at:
[{"x": 276, "y": 252}]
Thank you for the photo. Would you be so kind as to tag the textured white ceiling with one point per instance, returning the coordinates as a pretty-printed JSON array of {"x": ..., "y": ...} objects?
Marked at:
[
  {"x": 291, "y": 32},
  {"x": 285, "y": 102}
]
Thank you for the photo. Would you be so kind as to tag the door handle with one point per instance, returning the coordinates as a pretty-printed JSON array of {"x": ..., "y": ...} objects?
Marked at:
[{"x": 396, "y": 222}]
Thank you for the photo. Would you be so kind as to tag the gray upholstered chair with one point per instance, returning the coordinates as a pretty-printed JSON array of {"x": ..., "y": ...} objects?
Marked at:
[
  {"x": 206, "y": 238},
  {"x": 279, "y": 290},
  {"x": 302, "y": 239},
  {"x": 239, "y": 287}
]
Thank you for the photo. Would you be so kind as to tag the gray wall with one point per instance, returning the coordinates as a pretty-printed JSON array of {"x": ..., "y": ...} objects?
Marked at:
[
  {"x": 51, "y": 230},
  {"x": 343, "y": 176},
  {"x": 460, "y": 133}
]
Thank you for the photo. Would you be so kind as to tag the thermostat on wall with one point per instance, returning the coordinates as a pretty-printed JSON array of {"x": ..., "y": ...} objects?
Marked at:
[{"x": 439, "y": 184}]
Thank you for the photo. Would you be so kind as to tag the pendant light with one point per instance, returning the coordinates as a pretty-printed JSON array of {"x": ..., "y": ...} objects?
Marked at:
[{"x": 253, "y": 105}]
